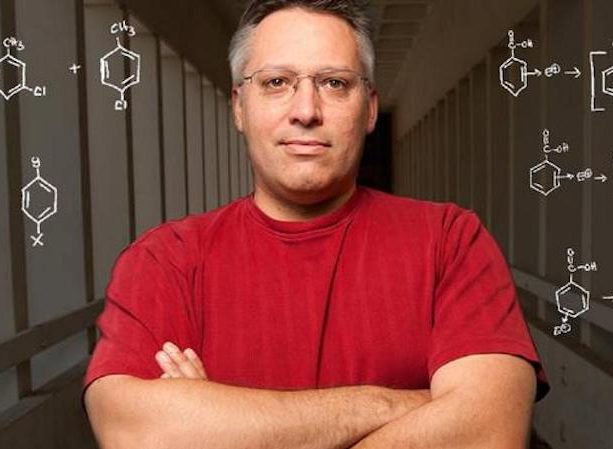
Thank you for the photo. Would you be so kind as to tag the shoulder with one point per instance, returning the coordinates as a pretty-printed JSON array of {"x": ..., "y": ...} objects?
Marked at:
[
  {"x": 182, "y": 241},
  {"x": 437, "y": 218}
]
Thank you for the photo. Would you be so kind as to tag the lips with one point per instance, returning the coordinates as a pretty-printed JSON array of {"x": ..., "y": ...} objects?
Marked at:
[
  {"x": 305, "y": 146},
  {"x": 304, "y": 142}
]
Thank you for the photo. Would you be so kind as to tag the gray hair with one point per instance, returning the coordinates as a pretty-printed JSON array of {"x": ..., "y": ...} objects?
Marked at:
[{"x": 352, "y": 11}]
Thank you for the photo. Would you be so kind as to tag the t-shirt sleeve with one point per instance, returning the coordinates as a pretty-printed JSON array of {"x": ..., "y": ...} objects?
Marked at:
[
  {"x": 476, "y": 310},
  {"x": 147, "y": 303}
]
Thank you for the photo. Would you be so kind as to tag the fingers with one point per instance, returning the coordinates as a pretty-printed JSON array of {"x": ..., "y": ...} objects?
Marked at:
[
  {"x": 171, "y": 370},
  {"x": 176, "y": 364},
  {"x": 191, "y": 355}
]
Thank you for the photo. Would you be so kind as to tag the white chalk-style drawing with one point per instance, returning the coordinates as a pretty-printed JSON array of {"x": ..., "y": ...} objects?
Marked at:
[
  {"x": 112, "y": 66},
  {"x": 38, "y": 201},
  {"x": 555, "y": 69},
  {"x": 608, "y": 298},
  {"x": 10, "y": 62},
  {"x": 575, "y": 72},
  {"x": 546, "y": 177},
  {"x": 74, "y": 68},
  {"x": 514, "y": 72},
  {"x": 572, "y": 299},
  {"x": 123, "y": 27},
  {"x": 602, "y": 81}
]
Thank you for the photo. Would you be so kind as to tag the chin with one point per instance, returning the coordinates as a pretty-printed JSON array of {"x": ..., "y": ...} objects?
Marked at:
[
  {"x": 310, "y": 193},
  {"x": 308, "y": 185}
]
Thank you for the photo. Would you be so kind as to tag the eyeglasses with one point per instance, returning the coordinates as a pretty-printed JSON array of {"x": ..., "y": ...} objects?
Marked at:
[{"x": 333, "y": 86}]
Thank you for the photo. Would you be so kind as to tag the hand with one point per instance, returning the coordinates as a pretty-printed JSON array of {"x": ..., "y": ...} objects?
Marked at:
[{"x": 179, "y": 365}]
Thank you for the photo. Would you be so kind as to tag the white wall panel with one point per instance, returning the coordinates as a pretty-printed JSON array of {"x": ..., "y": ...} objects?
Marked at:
[
  {"x": 174, "y": 138},
  {"x": 146, "y": 145}
]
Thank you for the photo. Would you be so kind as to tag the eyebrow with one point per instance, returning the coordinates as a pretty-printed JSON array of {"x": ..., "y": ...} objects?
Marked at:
[{"x": 293, "y": 68}]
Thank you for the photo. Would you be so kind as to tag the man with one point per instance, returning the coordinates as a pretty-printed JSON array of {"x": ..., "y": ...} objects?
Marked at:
[{"x": 313, "y": 313}]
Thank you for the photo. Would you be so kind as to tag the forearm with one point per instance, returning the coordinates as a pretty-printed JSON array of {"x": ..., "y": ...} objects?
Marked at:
[
  {"x": 182, "y": 413},
  {"x": 451, "y": 422},
  {"x": 430, "y": 426}
]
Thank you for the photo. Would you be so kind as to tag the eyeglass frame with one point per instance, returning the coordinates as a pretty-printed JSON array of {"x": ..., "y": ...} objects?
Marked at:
[{"x": 299, "y": 77}]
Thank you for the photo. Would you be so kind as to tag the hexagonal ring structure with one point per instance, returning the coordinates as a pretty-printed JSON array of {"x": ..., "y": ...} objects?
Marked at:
[
  {"x": 130, "y": 80},
  {"x": 572, "y": 299},
  {"x": 548, "y": 168},
  {"x": 48, "y": 207},
  {"x": 607, "y": 81},
  {"x": 506, "y": 71},
  {"x": 21, "y": 69}
]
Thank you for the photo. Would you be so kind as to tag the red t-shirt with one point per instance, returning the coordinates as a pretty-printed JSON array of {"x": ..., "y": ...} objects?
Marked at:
[{"x": 382, "y": 291}]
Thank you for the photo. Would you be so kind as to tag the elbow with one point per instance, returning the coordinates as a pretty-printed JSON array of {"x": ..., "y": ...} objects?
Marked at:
[
  {"x": 500, "y": 439},
  {"x": 115, "y": 423},
  {"x": 127, "y": 435},
  {"x": 119, "y": 438}
]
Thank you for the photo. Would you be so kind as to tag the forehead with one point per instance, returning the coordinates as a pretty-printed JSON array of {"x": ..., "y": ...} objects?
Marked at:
[{"x": 301, "y": 39}]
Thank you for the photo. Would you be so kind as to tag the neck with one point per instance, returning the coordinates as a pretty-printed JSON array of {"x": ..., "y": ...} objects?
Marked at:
[{"x": 285, "y": 209}]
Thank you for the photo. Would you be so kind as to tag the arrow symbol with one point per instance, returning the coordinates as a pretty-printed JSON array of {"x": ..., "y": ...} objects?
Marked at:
[
  {"x": 575, "y": 72},
  {"x": 536, "y": 73},
  {"x": 602, "y": 178},
  {"x": 608, "y": 297},
  {"x": 566, "y": 176}
]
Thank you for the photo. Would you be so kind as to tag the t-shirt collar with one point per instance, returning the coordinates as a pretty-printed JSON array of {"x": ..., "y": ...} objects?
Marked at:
[{"x": 322, "y": 222}]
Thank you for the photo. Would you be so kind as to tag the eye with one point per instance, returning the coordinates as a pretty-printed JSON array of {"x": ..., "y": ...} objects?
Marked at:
[
  {"x": 276, "y": 82},
  {"x": 335, "y": 83}
]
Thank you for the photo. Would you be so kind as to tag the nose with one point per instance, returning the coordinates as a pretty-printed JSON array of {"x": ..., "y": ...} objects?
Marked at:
[{"x": 305, "y": 108}]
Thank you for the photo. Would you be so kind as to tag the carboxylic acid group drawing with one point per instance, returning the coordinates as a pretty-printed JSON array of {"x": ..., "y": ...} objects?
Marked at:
[
  {"x": 546, "y": 176},
  {"x": 572, "y": 299},
  {"x": 514, "y": 73},
  {"x": 120, "y": 69}
]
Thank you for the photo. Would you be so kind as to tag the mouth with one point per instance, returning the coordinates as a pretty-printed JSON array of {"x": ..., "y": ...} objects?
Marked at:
[{"x": 305, "y": 147}]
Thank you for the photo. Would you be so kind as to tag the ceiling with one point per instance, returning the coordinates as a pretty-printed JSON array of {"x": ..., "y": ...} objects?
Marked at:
[{"x": 396, "y": 24}]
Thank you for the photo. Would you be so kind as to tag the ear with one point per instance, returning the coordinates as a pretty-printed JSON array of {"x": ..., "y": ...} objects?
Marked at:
[
  {"x": 237, "y": 108},
  {"x": 373, "y": 110}
]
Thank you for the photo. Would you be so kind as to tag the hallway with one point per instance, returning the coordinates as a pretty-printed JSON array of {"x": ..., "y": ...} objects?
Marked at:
[{"x": 501, "y": 106}]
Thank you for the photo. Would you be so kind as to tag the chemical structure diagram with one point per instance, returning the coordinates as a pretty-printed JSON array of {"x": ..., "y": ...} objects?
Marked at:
[
  {"x": 38, "y": 201},
  {"x": 113, "y": 64},
  {"x": 514, "y": 72},
  {"x": 602, "y": 80},
  {"x": 9, "y": 63},
  {"x": 572, "y": 299},
  {"x": 546, "y": 177}
]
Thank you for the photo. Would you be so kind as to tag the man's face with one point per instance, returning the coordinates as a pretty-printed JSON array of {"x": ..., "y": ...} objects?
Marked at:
[{"x": 304, "y": 148}]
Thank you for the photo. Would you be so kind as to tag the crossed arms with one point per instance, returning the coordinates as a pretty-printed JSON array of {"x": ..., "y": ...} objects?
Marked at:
[{"x": 477, "y": 402}]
